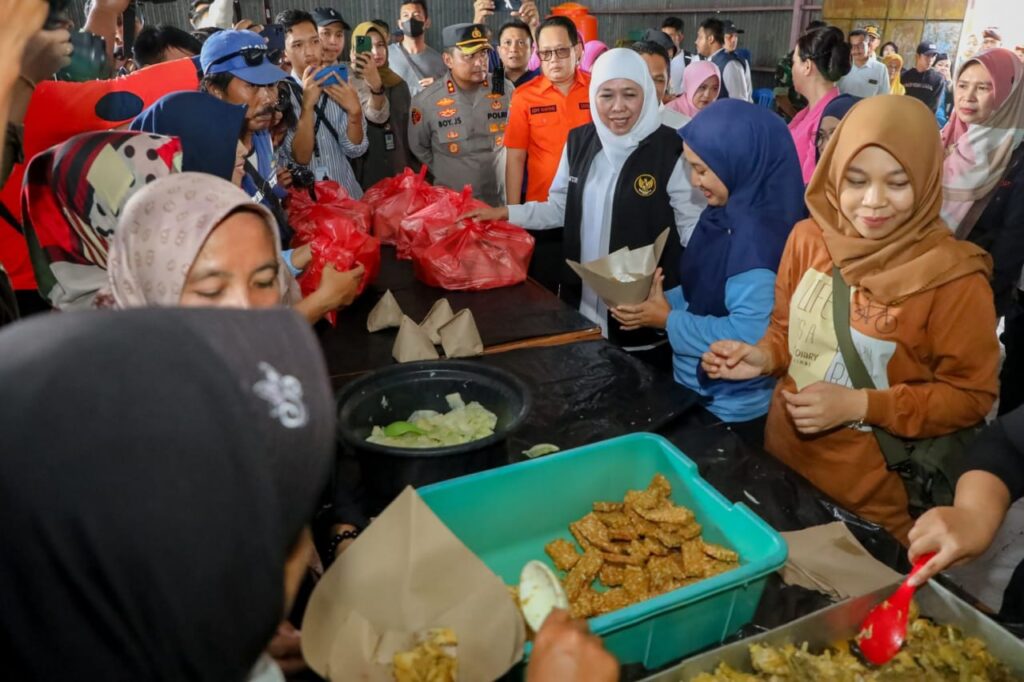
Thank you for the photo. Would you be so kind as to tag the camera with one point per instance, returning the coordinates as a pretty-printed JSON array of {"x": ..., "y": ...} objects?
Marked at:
[{"x": 302, "y": 177}]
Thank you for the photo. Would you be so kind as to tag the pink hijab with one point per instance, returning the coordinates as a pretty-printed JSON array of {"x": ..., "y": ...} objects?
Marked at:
[
  {"x": 694, "y": 76},
  {"x": 161, "y": 231},
  {"x": 591, "y": 51},
  {"x": 977, "y": 155}
]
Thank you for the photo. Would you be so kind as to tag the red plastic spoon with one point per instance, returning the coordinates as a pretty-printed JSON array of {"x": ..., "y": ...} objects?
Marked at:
[{"x": 885, "y": 629}]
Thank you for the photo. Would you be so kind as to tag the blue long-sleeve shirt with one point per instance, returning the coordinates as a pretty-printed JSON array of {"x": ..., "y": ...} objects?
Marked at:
[{"x": 749, "y": 298}]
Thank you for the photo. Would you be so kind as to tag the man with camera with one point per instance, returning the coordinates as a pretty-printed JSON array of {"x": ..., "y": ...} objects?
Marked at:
[
  {"x": 236, "y": 70},
  {"x": 331, "y": 128}
]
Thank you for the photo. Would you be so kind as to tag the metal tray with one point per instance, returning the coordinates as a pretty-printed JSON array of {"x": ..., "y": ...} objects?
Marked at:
[{"x": 842, "y": 621}]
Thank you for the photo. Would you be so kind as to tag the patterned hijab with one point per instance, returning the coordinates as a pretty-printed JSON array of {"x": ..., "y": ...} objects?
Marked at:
[
  {"x": 922, "y": 254},
  {"x": 162, "y": 231},
  {"x": 978, "y": 154},
  {"x": 72, "y": 199}
]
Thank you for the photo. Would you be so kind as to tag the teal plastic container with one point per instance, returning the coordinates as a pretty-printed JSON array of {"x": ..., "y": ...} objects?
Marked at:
[{"x": 507, "y": 515}]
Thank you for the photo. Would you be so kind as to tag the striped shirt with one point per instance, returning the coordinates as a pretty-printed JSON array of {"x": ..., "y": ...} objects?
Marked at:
[{"x": 333, "y": 149}]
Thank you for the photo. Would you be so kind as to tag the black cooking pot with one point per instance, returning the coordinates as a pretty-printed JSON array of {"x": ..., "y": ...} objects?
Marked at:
[{"x": 394, "y": 393}]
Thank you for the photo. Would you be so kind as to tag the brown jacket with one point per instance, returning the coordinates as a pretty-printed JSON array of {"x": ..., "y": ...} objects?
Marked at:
[{"x": 934, "y": 359}]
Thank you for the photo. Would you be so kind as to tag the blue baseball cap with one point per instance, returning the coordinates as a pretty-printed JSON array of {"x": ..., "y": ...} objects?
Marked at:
[{"x": 243, "y": 54}]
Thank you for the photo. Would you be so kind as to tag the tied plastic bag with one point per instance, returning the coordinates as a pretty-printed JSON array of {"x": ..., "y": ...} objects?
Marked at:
[
  {"x": 475, "y": 256},
  {"x": 331, "y": 201},
  {"x": 395, "y": 198},
  {"x": 434, "y": 221},
  {"x": 339, "y": 242}
]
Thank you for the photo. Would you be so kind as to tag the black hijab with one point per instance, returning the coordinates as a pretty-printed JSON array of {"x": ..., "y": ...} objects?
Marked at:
[{"x": 156, "y": 467}]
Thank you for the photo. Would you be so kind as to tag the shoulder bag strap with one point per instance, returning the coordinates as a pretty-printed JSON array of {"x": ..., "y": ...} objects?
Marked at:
[
  {"x": 410, "y": 62},
  {"x": 893, "y": 449}
]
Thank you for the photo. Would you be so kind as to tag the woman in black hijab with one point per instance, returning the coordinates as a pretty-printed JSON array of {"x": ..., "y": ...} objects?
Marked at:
[{"x": 157, "y": 468}]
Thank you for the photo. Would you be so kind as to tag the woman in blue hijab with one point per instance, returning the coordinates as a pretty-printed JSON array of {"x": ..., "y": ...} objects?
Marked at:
[
  {"x": 831, "y": 116},
  {"x": 745, "y": 164},
  {"x": 209, "y": 129}
]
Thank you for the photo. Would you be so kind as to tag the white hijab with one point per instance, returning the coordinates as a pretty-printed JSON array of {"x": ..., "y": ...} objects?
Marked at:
[{"x": 624, "y": 63}]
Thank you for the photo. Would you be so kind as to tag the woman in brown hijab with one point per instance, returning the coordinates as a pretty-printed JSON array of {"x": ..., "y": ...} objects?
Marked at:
[{"x": 921, "y": 315}]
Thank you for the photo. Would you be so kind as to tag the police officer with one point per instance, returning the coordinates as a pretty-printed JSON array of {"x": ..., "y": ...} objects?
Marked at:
[{"x": 457, "y": 124}]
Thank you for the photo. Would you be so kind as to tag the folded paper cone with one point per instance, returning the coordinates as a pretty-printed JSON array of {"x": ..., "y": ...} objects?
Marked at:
[
  {"x": 412, "y": 343},
  {"x": 460, "y": 338},
  {"x": 440, "y": 314},
  {"x": 623, "y": 277},
  {"x": 387, "y": 313},
  {"x": 406, "y": 573}
]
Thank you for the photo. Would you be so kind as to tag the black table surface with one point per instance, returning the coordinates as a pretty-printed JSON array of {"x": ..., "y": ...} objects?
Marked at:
[{"x": 504, "y": 315}]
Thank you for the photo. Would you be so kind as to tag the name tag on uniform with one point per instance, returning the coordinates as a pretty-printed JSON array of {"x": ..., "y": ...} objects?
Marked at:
[
  {"x": 873, "y": 81},
  {"x": 389, "y": 142},
  {"x": 544, "y": 110}
]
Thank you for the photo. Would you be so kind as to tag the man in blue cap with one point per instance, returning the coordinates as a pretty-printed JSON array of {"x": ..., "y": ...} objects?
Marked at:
[{"x": 236, "y": 70}]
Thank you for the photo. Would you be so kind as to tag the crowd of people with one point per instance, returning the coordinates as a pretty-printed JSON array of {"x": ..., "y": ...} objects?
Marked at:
[{"x": 841, "y": 286}]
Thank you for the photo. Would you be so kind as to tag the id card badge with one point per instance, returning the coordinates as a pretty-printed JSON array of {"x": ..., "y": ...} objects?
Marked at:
[
  {"x": 389, "y": 142},
  {"x": 320, "y": 172}
]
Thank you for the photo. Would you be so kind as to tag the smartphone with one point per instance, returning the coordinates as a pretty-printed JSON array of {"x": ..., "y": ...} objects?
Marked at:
[
  {"x": 274, "y": 33},
  {"x": 364, "y": 44},
  {"x": 335, "y": 74},
  {"x": 513, "y": 5}
]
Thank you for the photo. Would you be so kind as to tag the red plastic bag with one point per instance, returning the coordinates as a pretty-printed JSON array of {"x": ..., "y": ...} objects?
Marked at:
[
  {"x": 476, "y": 256},
  {"x": 339, "y": 242},
  {"x": 395, "y": 198},
  {"x": 331, "y": 200},
  {"x": 434, "y": 221}
]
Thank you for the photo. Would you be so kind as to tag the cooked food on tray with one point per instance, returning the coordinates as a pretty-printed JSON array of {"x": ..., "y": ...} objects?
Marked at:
[
  {"x": 433, "y": 660},
  {"x": 634, "y": 549},
  {"x": 933, "y": 653},
  {"x": 428, "y": 429}
]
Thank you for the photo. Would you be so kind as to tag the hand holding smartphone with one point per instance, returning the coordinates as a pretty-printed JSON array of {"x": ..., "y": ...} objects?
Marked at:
[{"x": 335, "y": 74}]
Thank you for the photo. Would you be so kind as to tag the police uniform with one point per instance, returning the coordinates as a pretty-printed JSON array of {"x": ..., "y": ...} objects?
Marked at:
[{"x": 460, "y": 134}]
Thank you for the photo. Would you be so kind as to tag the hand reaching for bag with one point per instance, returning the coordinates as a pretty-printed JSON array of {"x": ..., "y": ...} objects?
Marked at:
[
  {"x": 486, "y": 213},
  {"x": 339, "y": 289}
]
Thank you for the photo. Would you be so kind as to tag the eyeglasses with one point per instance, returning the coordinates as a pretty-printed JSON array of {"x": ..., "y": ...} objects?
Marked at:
[
  {"x": 253, "y": 55},
  {"x": 548, "y": 55}
]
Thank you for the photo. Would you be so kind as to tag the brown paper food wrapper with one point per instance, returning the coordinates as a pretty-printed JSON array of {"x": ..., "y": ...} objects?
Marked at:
[
  {"x": 829, "y": 559},
  {"x": 387, "y": 313},
  {"x": 440, "y": 314},
  {"x": 460, "y": 338},
  {"x": 412, "y": 343},
  {"x": 605, "y": 275},
  {"x": 405, "y": 574}
]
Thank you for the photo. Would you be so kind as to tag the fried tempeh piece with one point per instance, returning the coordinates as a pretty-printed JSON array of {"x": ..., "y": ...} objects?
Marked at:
[
  {"x": 692, "y": 559},
  {"x": 625, "y": 559},
  {"x": 720, "y": 553},
  {"x": 613, "y": 520},
  {"x": 613, "y": 600},
  {"x": 680, "y": 516},
  {"x": 583, "y": 573},
  {"x": 690, "y": 531},
  {"x": 574, "y": 528},
  {"x": 655, "y": 547},
  {"x": 611, "y": 576},
  {"x": 607, "y": 507},
  {"x": 596, "y": 534},
  {"x": 563, "y": 553},
  {"x": 585, "y": 605},
  {"x": 622, "y": 534},
  {"x": 669, "y": 539},
  {"x": 663, "y": 572},
  {"x": 636, "y": 582}
]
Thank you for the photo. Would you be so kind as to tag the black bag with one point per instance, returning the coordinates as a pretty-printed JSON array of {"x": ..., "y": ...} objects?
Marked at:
[{"x": 929, "y": 467}]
